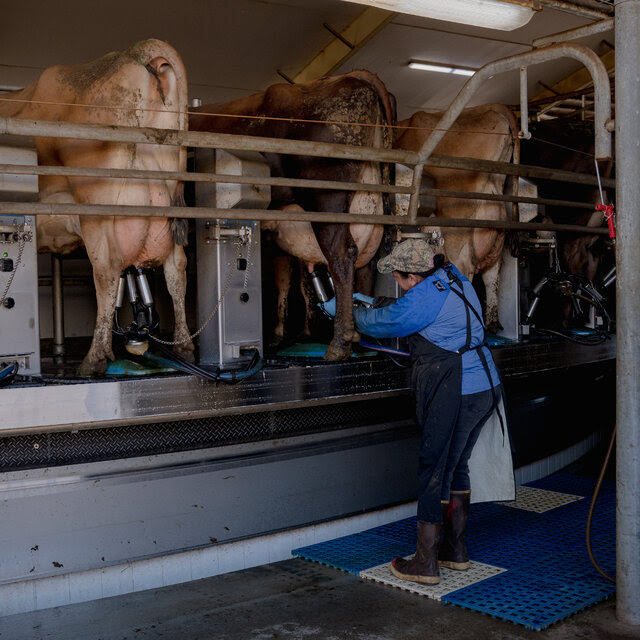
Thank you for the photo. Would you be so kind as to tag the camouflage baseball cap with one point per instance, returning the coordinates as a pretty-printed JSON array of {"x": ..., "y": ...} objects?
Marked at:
[{"x": 410, "y": 256}]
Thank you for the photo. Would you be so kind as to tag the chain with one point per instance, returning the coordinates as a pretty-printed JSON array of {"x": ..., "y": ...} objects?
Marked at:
[
  {"x": 21, "y": 245},
  {"x": 215, "y": 309},
  {"x": 246, "y": 273}
]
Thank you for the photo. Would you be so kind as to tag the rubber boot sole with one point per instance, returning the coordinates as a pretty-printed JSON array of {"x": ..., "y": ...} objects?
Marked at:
[
  {"x": 415, "y": 578},
  {"x": 456, "y": 566}
]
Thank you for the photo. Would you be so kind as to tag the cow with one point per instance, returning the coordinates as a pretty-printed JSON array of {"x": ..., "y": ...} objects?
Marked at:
[
  {"x": 144, "y": 86},
  {"x": 354, "y": 109},
  {"x": 487, "y": 132}
]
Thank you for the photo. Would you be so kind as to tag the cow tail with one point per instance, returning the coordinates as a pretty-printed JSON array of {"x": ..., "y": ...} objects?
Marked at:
[
  {"x": 512, "y": 239},
  {"x": 179, "y": 226}
]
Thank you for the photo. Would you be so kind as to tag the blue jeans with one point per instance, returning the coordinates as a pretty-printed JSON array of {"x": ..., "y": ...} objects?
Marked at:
[{"x": 445, "y": 450}]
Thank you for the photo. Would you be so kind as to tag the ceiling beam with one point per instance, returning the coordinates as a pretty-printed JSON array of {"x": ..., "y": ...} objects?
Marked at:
[{"x": 370, "y": 22}]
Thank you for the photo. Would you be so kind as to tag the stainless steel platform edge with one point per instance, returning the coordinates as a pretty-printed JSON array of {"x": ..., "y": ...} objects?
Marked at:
[
  {"x": 167, "y": 398},
  {"x": 89, "y": 405}
]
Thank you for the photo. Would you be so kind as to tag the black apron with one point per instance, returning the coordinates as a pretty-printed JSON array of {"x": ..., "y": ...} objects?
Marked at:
[{"x": 436, "y": 376}]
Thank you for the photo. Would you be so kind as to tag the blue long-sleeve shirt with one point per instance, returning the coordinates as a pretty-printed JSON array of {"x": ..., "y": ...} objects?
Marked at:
[{"x": 432, "y": 310}]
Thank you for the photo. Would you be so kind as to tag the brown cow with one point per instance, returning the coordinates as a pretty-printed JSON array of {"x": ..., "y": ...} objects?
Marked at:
[
  {"x": 487, "y": 132},
  {"x": 356, "y": 97},
  {"x": 144, "y": 86}
]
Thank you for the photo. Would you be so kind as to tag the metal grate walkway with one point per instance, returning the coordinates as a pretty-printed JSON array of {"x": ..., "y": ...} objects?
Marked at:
[{"x": 529, "y": 560}]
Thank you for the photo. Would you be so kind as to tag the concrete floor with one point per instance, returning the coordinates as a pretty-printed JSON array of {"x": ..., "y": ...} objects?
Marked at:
[{"x": 289, "y": 600}]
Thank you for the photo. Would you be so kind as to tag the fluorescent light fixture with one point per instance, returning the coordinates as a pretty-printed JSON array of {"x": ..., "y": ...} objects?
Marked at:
[
  {"x": 504, "y": 15},
  {"x": 441, "y": 68}
]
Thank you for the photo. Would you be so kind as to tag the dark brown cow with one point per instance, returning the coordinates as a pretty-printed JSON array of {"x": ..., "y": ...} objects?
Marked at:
[
  {"x": 569, "y": 145},
  {"x": 487, "y": 132},
  {"x": 144, "y": 86},
  {"x": 356, "y": 97}
]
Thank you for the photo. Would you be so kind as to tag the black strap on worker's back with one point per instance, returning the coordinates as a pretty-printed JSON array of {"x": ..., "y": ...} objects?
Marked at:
[{"x": 467, "y": 347}]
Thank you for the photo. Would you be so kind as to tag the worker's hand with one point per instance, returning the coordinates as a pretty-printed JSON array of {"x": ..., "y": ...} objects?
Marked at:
[
  {"x": 366, "y": 300},
  {"x": 329, "y": 307}
]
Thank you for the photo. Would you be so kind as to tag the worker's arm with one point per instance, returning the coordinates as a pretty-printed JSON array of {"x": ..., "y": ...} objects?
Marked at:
[{"x": 417, "y": 309}]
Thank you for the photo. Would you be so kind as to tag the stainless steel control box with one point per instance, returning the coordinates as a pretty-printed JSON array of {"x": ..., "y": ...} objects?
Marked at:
[
  {"x": 19, "y": 326},
  {"x": 228, "y": 260}
]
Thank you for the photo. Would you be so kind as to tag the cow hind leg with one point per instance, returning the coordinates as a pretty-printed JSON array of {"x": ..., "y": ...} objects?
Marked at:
[
  {"x": 282, "y": 267},
  {"x": 306, "y": 289},
  {"x": 106, "y": 280},
  {"x": 175, "y": 275},
  {"x": 491, "y": 279},
  {"x": 341, "y": 252}
]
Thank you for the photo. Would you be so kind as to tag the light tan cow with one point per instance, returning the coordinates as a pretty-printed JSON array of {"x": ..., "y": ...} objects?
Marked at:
[
  {"x": 487, "y": 132},
  {"x": 144, "y": 86}
]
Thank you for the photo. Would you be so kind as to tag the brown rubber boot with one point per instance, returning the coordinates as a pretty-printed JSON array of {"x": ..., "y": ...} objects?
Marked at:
[
  {"x": 453, "y": 550},
  {"x": 423, "y": 567}
]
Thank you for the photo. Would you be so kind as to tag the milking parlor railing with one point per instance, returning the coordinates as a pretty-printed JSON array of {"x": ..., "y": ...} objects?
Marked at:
[
  {"x": 418, "y": 160},
  {"x": 237, "y": 142}
]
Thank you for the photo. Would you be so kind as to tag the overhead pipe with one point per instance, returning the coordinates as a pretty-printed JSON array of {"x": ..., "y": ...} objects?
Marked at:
[
  {"x": 602, "y": 92},
  {"x": 627, "y": 23},
  {"x": 602, "y": 26},
  {"x": 602, "y": 97},
  {"x": 581, "y": 9}
]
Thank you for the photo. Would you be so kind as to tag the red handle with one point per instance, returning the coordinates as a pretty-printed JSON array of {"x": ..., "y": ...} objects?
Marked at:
[{"x": 608, "y": 214}]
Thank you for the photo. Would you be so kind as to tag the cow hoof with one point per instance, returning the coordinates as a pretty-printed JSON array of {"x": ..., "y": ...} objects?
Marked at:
[
  {"x": 335, "y": 353},
  {"x": 494, "y": 327},
  {"x": 90, "y": 369}
]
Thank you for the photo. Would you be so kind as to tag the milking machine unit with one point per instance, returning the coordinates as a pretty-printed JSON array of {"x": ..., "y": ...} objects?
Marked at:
[
  {"x": 134, "y": 282},
  {"x": 19, "y": 320},
  {"x": 531, "y": 273}
]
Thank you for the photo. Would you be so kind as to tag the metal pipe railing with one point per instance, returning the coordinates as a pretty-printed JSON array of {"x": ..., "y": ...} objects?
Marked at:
[
  {"x": 63, "y": 208},
  {"x": 200, "y": 139},
  {"x": 444, "y": 162},
  {"x": 143, "y": 174},
  {"x": 602, "y": 99}
]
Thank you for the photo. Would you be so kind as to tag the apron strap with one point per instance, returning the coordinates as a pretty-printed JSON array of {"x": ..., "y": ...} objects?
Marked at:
[{"x": 479, "y": 348}]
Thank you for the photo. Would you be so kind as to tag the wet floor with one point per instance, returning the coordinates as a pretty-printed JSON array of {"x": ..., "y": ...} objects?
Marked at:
[{"x": 290, "y": 600}]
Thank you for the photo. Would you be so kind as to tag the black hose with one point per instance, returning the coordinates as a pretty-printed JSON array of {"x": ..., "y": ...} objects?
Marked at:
[
  {"x": 228, "y": 377},
  {"x": 596, "y": 491},
  {"x": 8, "y": 371}
]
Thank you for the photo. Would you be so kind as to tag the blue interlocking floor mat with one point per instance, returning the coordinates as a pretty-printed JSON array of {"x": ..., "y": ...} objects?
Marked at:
[{"x": 548, "y": 573}]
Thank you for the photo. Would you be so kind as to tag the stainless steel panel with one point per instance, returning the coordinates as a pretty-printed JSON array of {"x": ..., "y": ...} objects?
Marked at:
[
  {"x": 105, "y": 403},
  {"x": 19, "y": 326},
  {"x": 57, "y": 521}
]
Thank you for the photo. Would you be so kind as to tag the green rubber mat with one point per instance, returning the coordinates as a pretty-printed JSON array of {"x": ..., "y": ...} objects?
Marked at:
[{"x": 125, "y": 367}]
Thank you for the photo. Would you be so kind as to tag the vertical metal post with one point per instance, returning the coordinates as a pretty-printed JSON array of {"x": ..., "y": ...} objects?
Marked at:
[
  {"x": 57, "y": 299},
  {"x": 627, "y": 30}
]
